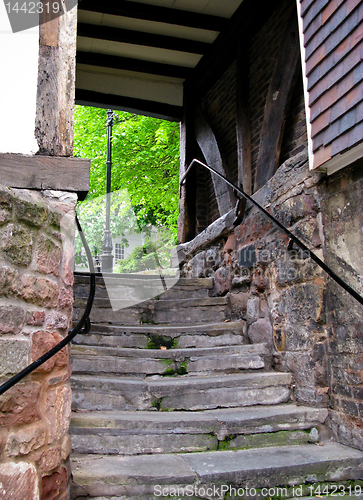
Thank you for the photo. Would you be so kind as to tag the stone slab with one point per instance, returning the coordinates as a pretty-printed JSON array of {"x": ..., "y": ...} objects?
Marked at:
[{"x": 257, "y": 468}]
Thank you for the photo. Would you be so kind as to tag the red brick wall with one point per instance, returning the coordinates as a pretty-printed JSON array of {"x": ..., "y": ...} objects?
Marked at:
[{"x": 333, "y": 40}]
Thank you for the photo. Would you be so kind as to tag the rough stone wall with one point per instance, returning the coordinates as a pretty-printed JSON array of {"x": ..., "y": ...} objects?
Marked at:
[
  {"x": 283, "y": 298},
  {"x": 343, "y": 222},
  {"x": 278, "y": 294},
  {"x": 36, "y": 298}
]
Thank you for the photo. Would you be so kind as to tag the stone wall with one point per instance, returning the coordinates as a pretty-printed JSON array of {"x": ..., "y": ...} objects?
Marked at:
[
  {"x": 343, "y": 225},
  {"x": 283, "y": 298},
  {"x": 36, "y": 298}
]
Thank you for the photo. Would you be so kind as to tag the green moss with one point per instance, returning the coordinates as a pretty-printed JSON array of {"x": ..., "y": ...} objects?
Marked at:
[
  {"x": 157, "y": 403},
  {"x": 157, "y": 341}
]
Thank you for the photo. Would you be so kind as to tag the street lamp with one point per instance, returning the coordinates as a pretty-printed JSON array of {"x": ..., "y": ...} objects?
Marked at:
[{"x": 107, "y": 257}]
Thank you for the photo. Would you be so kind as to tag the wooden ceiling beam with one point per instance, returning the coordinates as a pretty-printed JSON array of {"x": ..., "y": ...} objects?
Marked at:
[
  {"x": 130, "y": 104},
  {"x": 155, "y": 13},
  {"x": 126, "y": 63},
  {"x": 141, "y": 38}
]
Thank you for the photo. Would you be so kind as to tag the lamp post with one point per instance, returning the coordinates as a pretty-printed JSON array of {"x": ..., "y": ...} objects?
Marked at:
[{"x": 107, "y": 257}]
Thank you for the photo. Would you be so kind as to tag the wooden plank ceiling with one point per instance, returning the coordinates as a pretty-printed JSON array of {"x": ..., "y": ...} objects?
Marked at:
[{"x": 136, "y": 55}]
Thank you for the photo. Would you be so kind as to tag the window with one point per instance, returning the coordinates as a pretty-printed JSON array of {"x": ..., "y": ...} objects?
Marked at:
[{"x": 119, "y": 251}]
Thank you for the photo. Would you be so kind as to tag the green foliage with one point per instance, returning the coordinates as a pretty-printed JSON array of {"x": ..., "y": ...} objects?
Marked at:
[{"x": 145, "y": 161}]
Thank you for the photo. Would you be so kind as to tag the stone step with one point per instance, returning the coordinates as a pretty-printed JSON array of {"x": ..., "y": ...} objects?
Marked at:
[
  {"x": 211, "y": 309},
  {"x": 182, "y": 336},
  {"x": 95, "y": 392},
  {"x": 147, "y": 362},
  {"x": 174, "y": 432},
  {"x": 131, "y": 286},
  {"x": 143, "y": 475}
]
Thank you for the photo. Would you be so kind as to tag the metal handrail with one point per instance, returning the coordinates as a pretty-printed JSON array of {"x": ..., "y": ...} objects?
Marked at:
[
  {"x": 82, "y": 326},
  {"x": 292, "y": 237}
]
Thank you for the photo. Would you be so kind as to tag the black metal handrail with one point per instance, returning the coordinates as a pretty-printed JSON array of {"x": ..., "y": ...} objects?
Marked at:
[
  {"x": 292, "y": 237},
  {"x": 82, "y": 326}
]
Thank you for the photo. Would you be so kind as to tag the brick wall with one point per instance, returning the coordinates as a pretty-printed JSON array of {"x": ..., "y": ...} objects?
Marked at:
[
  {"x": 333, "y": 40},
  {"x": 263, "y": 49},
  {"x": 219, "y": 106},
  {"x": 36, "y": 298}
]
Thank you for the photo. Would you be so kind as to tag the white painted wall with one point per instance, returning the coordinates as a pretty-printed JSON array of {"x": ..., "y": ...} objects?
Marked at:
[{"x": 18, "y": 87}]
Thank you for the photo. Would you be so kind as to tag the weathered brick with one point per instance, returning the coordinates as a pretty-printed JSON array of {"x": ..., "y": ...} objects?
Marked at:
[
  {"x": 54, "y": 485},
  {"x": 26, "y": 439},
  {"x": 12, "y": 319},
  {"x": 19, "y": 481},
  {"x": 58, "y": 411},
  {"x": 30, "y": 211},
  {"x": 261, "y": 332},
  {"x": 56, "y": 320},
  {"x": 17, "y": 244},
  {"x": 48, "y": 256},
  {"x": 43, "y": 342},
  {"x": 50, "y": 459},
  {"x": 222, "y": 281},
  {"x": 65, "y": 299},
  {"x": 14, "y": 355},
  {"x": 35, "y": 318},
  {"x": 20, "y": 404}
]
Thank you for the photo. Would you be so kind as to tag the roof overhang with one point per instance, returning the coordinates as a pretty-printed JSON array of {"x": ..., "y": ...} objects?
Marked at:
[{"x": 136, "y": 55}]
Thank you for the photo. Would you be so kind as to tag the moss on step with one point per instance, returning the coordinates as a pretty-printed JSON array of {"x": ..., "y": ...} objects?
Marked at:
[
  {"x": 266, "y": 439},
  {"x": 158, "y": 341}
]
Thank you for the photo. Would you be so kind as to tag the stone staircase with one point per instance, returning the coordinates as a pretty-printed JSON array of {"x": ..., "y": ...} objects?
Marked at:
[{"x": 170, "y": 400}]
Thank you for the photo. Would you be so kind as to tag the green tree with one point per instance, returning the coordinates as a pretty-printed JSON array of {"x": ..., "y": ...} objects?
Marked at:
[{"x": 145, "y": 162}]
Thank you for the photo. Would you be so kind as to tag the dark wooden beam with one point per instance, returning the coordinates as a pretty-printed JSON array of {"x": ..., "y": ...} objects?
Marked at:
[
  {"x": 243, "y": 130},
  {"x": 45, "y": 172},
  {"x": 277, "y": 102},
  {"x": 141, "y": 38},
  {"x": 245, "y": 22},
  {"x": 208, "y": 145},
  {"x": 155, "y": 13},
  {"x": 126, "y": 63},
  {"x": 243, "y": 123},
  {"x": 149, "y": 108},
  {"x": 188, "y": 191}
]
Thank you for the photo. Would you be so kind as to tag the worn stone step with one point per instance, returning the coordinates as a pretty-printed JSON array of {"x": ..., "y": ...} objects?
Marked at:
[
  {"x": 131, "y": 286},
  {"x": 146, "y": 362},
  {"x": 142, "y": 475},
  {"x": 173, "y": 432},
  {"x": 158, "y": 311},
  {"x": 182, "y": 336},
  {"x": 93, "y": 392}
]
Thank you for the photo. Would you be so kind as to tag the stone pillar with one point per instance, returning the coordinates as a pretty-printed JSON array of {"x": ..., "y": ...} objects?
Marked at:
[{"x": 36, "y": 298}]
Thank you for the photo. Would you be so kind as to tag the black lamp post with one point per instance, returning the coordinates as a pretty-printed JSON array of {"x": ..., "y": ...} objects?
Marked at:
[{"x": 107, "y": 257}]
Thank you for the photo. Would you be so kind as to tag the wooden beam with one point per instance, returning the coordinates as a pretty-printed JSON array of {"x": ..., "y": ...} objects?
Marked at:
[
  {"x": 155, "y": 13},
  {"x": 56, "y": 84},
  {"x": 45, "y": 172},
  {"x": 243, "y": 131},
  {"x": 149, "y": 108},
  {"x": 187, "y": 198},
  {"x": 141, "y": 38},
  {"x": 277, "y": 102},
  {"x": 126, "y": 63},
  {"x": 208, "y": 145}
]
